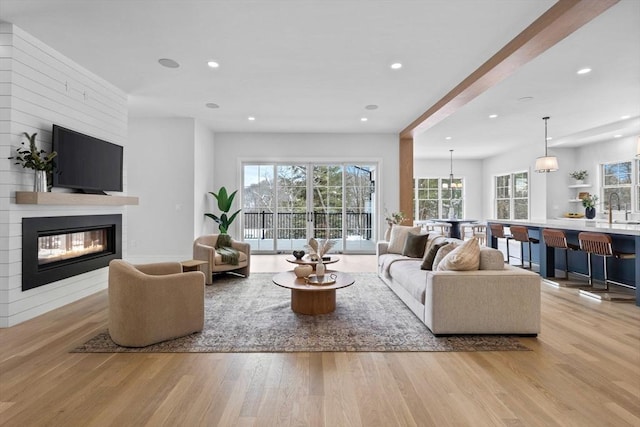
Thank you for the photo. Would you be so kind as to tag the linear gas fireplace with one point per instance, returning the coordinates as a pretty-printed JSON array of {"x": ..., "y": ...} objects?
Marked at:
[{"x": 54, "y": 248}]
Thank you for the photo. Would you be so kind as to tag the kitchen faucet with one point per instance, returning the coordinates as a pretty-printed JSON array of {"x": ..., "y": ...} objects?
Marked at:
[{"x": 611, "y": 206}]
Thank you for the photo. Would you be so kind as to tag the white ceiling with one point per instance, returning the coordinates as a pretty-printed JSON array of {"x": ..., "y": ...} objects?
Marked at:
[{"x": 312, "y": 66}]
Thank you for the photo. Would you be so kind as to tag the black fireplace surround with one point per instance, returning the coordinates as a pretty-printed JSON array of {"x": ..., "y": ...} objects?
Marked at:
[{"x": 37, "y": 272}]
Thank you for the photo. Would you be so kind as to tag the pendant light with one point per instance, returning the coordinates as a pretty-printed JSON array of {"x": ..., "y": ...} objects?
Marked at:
[{"x": 546, "y": 163}]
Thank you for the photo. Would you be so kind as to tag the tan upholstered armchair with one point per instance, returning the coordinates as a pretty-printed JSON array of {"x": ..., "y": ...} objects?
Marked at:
[
  {"x": 204, "y": 249},
  {"x": 153, "y": 302}
]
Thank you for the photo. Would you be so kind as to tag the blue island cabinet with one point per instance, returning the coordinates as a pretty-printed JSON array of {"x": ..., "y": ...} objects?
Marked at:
[{"x": 625, "y": 238}]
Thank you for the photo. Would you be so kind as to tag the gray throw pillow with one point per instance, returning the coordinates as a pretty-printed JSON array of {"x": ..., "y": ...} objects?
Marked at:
[
  {"x": 414, "y": 245},
  {"x": 427, "y": 261}
]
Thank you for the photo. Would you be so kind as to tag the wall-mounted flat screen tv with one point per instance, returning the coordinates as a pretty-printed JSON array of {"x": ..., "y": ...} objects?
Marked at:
[{"x": 85, "y": 163}]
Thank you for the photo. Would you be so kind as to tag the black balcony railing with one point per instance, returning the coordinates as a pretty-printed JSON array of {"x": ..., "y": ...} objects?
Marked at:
[{"x": 293, "y": 225}]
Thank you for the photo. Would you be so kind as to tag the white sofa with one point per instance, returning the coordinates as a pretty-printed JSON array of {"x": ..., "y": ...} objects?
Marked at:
[{"x": 496, "y": 299}]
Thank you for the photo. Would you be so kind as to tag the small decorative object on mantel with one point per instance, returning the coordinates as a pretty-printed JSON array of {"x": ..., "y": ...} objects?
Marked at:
[
  {"x": 38, "y": 160},
  {"x": 589, "y": 204},
  {"x": 579, "y": 176}
]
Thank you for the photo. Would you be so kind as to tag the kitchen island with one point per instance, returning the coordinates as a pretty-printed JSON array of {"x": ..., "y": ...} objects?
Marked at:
[{"x": 625, "y": 237}]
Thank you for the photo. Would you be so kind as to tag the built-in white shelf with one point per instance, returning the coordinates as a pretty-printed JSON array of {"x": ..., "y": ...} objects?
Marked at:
[
  {"x": 580, "y": 186},
  {"x": 34, "y": 198}
]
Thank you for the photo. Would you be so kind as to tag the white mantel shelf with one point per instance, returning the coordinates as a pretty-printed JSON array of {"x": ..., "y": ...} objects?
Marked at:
[{"x": 33, "y": 198}]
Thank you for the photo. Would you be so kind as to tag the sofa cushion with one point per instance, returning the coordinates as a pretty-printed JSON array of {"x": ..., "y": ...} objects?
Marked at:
[
  {"x": 491, "y": 259},
  {"x": 399, "y": 236},
  {"x": 414, "y": 245},
  {"x": 434, "y": 239},
  {"x": 443, "y": 252},
  {"x": 430, "y": 256},
  {"x": 409, "y": 276},
  {"x": 463, "y": 258}
]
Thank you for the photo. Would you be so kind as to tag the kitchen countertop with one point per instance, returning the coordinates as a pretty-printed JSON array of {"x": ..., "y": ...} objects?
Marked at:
[{"x": 577, "y": 225}]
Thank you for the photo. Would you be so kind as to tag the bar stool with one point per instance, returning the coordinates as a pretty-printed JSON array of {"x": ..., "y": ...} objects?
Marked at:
[
  {"x": 497, "y": 231},
  {"x": 600, "y": 244},
  {"x": 557, "y": 239},
  {"x": 521, "y": 234}
]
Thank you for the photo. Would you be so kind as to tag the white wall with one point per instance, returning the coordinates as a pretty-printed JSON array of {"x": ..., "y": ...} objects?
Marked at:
[
  {"x": 469, "y": 170},
  {"x": 234, "y": 148},
  {"x": 162, "y": 227},
  {"x": 203, "y": 180},
  {"x": 40, "y": 87}
]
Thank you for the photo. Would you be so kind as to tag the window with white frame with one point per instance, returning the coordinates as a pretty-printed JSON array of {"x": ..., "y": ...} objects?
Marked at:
[
  {"x": 512, "y": 196},
  {"x": 433, "y": 196},
  {"x": 616, "y": 179}
]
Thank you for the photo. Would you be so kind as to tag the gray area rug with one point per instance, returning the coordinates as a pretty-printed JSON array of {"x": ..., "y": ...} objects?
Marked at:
[{"x": 254, "y": 315}]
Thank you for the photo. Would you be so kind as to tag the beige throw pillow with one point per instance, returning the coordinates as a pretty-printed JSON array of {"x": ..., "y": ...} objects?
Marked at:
[
  {"x": 463, "y": 258},
  {"x": 442, "y": 253},
  {"x": 399, "y": 237}
]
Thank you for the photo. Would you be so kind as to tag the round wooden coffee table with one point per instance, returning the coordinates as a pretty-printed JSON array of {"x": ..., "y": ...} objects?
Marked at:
[{"x": 312, "y": 299}]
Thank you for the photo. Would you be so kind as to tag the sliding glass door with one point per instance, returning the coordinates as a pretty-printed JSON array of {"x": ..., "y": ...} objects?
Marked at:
[{"x": 286, "y": 204}]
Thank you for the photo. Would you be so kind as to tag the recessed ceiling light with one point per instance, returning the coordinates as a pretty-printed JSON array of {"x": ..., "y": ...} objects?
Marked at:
[
  {"x": 396, "y": 66},
  {"x": 371, "y": 107},
  {"x": 211, "y": 105},
  {"x": 525, "y": 98},
  {"x": 584, "y": 71},
  {"x": 251, "y": 118},
  {"x": 617, "y": 136},
  {"x": 169, "y": 63},
  {"x": 363, "y": 119},
  {"x": 448, "y": 138},
  {"x": 213, "y": 64},
  {"x": 625, "y": 117},
  {"x": 493, "y": 116}
]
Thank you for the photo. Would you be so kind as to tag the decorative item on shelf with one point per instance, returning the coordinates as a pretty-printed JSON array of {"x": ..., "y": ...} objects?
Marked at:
[
  {"x": 303, "y": 270},
  {"x": 393, "y": 218},
  {"x": 579, "y": 176},
  {"x": 546, "y": 163},
  {"x": 583, "y": 194},
  {"x": 589, "y": 203},
  {"x": 224, "y": 204},
  {"x": 298, "y": 254},
  {"x": 38, "y": 160}
]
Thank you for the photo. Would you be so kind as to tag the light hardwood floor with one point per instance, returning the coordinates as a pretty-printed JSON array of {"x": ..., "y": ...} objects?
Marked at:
[{"x": 583, "y": 370}]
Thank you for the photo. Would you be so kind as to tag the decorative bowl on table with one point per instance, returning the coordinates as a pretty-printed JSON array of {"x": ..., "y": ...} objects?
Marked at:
[{"x": 298, "y": 254}]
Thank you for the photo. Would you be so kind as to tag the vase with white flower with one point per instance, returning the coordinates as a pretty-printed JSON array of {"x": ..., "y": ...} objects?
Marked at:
[
  {"x": 393, "y": 218},
  {"x": 318, "y": 249},
  {"x": 589, "y": 203}
]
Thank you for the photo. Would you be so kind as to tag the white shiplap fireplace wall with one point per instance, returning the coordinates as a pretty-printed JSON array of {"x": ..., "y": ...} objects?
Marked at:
[{"x": 40, "y": 87}]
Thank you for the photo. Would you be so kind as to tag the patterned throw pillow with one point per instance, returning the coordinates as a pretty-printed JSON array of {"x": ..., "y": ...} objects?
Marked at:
[
  {"x": 399, "y": 236},
  {"x": 414, "y": 245},
  {"x": 430, "y": 256},
  {"x": 443, "y": 252},
  {"x": 463, "y": 258}
]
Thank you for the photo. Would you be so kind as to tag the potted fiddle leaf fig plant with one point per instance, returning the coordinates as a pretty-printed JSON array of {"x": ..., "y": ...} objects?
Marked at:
[
  {"x": 38, "y": 160},
  {"x": 225, "y": 200}
]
